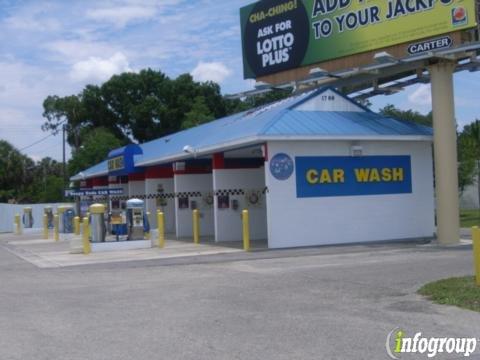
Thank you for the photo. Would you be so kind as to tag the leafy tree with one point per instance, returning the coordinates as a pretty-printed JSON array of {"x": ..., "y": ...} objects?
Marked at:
[
  {"x": 96, "y": 146},
  {"x": 468, "y": 154},
  {"x": 238, "y": 105},
  {"x": 52, "y": 191},
  {"x": 15, "y": 172},
  {"x": 68, "y": 110},
  {"x": 199, "y": 114},
  {"x": 471, "y": 135},
  {"x": 468, "y": 143},
  {"x": 47, "y": 184},
  {"x": 139, "y": 106},
  {"x": 408, "y": 115}
]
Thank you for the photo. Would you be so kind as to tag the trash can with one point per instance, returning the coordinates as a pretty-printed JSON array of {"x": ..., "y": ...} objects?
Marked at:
[{"x": 98, "y": 229}]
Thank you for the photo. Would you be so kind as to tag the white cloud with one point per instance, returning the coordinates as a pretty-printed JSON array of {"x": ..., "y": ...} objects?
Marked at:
[
  {"x": 73, "y": 51},
  {"x": 97, "y": 69},
  {"x": 33, "y": 18},
  {"x": 422, "y": 96},
  {"x": 212, "y": 71},
  {"x": 19, "y": 23},
  {"x": 122, "y": 15}
]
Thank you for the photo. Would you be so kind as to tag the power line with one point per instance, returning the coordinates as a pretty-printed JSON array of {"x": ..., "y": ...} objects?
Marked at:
[
  {"x": 42, "y": 139},
  {"x": 44, "y": 150},
  {"x": 35, "y": 143}
]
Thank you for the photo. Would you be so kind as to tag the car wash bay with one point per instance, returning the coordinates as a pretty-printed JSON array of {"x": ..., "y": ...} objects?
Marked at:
[
  {"x": 269, "y": 161},
  {"x": 220, "y": 187}
]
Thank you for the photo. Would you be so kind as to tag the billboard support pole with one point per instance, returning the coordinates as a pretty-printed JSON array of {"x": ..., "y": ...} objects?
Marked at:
[{"x": 445, "y": 149}]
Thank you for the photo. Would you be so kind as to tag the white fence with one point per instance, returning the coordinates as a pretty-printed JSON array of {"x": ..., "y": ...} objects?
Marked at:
[
  {"x": 8, "y": 211},
  {"x": 470, "y": 198}
]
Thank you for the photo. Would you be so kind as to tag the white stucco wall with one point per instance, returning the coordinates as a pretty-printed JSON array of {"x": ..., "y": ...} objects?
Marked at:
[
  {"x": 228, "y": 222},
  {"x": 136, "y": 188},
  {"x": 151, "y": 187},
  {"x": 192, "y": 183},
  {"x": 347, "y": 219},
  {"x": 8, "y": 211}
]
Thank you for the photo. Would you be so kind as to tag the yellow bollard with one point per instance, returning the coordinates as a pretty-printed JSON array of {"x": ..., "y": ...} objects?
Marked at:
[
  {"x": 161, "y": 229},
  {"x": 476, "y": 253},
  {"x": 196, "y": 226},
  {"x": 87, "y": 249},
  {"x": 56, "y": 224},
  {"x": 76, "y": 225},
  {"x": 45, "y": 226},
  {"x": 147, "y": 235},
  {"x": 246, "y": 230},
  {"x": 18, "y": 228}
]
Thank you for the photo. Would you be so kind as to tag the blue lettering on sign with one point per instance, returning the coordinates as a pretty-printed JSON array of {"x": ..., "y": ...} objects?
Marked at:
[{"x": 322, "y": 176}]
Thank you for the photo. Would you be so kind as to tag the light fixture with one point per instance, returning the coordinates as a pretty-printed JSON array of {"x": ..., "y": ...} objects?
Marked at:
[
  {"x": 356, "y": 150},
  {"x": 318, "y": 72},
  {"x": 261, "y": 85},
  {"x": 474, "y": 64},
  {"x": 188, "y": 149},
  {"x": 384, "y": 58},
  {"x": 423, "y": 78}
]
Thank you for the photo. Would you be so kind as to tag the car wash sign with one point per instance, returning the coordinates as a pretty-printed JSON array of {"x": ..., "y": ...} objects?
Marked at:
[
  {"x": 322, "y": 176},
  {"x": 278, "y": 35}
]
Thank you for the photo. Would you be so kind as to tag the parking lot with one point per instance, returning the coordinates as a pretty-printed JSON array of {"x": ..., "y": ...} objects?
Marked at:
[{"x": 317, "y": 303}]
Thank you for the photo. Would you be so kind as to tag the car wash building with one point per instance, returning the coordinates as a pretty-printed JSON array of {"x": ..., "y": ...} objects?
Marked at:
[{"x": 313, "y": 169}]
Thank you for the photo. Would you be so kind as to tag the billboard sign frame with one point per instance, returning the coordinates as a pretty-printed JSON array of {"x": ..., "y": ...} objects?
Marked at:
[{"x": 283, "y": 35}]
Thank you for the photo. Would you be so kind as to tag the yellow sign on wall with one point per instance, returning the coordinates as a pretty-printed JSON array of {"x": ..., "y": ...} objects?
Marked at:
[{"x": 117, "y": 163}]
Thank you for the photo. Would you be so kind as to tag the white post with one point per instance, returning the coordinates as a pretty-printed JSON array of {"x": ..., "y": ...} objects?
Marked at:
[{"x": 445, "y": 149}]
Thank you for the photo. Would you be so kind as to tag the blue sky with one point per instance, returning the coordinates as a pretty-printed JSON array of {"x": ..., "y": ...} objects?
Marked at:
[{"x": 57, "y": 47}]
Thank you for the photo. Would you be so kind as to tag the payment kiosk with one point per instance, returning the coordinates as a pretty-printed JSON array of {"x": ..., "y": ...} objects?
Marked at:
[
  {"x": 49, "y": 212},
  {"x": 137, "y": 222},
  {"x": 27, "y": 218},
  {"x": 66, "y": 220}
]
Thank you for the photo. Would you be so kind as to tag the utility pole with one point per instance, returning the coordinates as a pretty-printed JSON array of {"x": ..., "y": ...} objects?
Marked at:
[
  {"x": 445, "y": 148},
  {"x": 64, "y": 130}
]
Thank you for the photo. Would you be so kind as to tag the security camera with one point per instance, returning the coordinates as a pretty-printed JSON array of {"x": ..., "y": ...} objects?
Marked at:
[{"x": 188, "y": 149}]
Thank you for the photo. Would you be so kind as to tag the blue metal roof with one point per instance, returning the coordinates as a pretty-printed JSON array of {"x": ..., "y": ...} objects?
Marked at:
[
  {"x": 337, "y": 123},
  {"x": 235, "y": 127},
  {"x": 130, "y": 149},
  {"x": 100, "y": 169},
  {"x": 280, "y": 119}
]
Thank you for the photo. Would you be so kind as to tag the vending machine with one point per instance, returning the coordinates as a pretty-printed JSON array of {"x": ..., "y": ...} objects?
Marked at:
[
  {"x": 137, "y": 222},
  {"x": 49, "y": 212},
  {"x": 27, "y": 218},
  {"x": 67, "y": 220}
]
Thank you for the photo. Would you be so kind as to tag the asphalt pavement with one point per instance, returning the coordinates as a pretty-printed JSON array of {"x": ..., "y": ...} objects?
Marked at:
[{"x": 319, "y": 303}]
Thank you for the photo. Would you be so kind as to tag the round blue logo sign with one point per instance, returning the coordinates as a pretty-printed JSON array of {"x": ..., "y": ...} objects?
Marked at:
[{"x": 281, "y": 166}]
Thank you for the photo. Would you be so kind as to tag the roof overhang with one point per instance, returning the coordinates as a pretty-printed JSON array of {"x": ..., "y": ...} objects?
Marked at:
[
  {"x": 80, "y": 176},
  {"x": 255, "y": 140}
]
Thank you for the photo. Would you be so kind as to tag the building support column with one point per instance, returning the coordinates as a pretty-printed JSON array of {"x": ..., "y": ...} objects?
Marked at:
[{"x": 445, "y": 150}]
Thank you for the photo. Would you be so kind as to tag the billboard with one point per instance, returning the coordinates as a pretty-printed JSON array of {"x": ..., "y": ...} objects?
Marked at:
[{"x": 279, "y": 35}]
